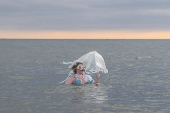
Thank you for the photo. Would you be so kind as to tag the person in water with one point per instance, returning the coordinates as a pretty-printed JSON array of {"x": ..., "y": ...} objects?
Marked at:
[{"x": 79, "y": 77}]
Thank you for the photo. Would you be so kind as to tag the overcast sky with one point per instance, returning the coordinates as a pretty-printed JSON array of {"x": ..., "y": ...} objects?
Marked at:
[{"x": 84, "y": 15}]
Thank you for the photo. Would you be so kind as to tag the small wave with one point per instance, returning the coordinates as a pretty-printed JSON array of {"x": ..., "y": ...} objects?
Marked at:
[{"x": 144, "y": 57}]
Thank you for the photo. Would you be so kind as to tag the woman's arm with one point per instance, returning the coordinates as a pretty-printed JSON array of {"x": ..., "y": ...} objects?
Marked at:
[
  {"x": 97, "y": 78},
  {"x": 70, "y": 80}
]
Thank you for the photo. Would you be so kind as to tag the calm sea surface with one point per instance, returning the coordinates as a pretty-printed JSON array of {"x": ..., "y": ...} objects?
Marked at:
[{"x": 138, "y": 78}]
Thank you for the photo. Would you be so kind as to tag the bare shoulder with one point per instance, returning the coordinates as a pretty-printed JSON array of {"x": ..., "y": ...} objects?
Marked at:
[{"x": 70, "y": 80}]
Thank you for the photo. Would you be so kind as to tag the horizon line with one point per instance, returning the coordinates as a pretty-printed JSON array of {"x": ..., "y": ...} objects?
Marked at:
[{"x": 102, "y": 34}]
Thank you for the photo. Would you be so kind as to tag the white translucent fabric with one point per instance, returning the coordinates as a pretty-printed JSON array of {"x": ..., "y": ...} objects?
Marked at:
[{"x": 94, "y": 62}]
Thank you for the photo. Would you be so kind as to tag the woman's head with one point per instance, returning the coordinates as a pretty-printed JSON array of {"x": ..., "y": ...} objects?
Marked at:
[{"x": 78, "y": 68}]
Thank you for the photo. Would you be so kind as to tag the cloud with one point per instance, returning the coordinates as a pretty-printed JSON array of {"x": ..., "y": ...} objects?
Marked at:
[{"x": 84, "y": 14}]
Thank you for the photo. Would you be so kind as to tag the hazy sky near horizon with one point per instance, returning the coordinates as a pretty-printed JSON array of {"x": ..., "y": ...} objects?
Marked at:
[{"x": 85, "y": 15}]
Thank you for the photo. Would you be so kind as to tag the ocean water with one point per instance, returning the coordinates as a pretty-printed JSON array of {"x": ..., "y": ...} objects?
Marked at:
[{"x": 138, "y": 78}]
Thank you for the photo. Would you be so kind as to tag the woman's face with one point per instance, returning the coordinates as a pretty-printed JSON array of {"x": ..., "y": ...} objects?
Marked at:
[{"x": 80, "y": 72}]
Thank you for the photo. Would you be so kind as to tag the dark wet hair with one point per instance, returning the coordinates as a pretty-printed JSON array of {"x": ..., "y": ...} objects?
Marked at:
[{"x": 75, "y": 66}]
